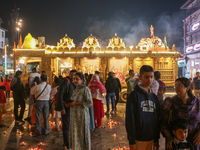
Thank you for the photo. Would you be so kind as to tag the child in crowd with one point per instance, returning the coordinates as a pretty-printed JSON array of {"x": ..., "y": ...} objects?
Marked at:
[
  {"x": 2, "y": 104},
  {"x": 53, "y": 98},
  {"x": 7, "y": 85},
  {"x": 180, "y": 132},
  {"x": 142, "y": 113}
]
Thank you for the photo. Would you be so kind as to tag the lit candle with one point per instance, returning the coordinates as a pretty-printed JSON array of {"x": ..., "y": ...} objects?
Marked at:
[
  {"x": 23, "y": 143},
  {"x": 30, "y": 133},
  {"x": 12, "y": 115},
  {"x": 5, "y": 132},
  {"x": 40, "y": 143}
]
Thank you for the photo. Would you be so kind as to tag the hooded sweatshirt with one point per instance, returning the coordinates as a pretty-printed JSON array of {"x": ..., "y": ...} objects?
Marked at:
[
  {"x": 110, "y": 85},
  {"x": 142, "y": 116}
]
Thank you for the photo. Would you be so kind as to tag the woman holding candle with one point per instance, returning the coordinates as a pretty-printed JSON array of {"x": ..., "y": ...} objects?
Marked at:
[{"x": 79, "y": 136}]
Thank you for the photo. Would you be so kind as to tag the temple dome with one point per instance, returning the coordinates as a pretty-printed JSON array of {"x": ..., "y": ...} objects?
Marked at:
[
  {"x": 66, "y": 42},
  {"x": 91, "y": 41},
  {"x": 151, "y": 42},
  {"x": 116, "y": 42}
]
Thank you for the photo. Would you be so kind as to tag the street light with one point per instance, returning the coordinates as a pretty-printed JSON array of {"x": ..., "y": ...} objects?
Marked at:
[{"x": 19, "y": 25}]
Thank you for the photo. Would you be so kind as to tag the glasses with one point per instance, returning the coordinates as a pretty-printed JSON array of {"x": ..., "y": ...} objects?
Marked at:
[{"x": 178, "y": 86}]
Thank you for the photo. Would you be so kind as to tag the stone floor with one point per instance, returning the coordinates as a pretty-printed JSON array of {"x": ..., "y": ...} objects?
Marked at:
[{"x": 102, "y": 138}]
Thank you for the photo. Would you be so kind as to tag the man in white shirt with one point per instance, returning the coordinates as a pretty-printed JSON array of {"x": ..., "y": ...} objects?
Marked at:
[
  {"x": 31, "y": 100},
  {"x": 42, "y": 93}
]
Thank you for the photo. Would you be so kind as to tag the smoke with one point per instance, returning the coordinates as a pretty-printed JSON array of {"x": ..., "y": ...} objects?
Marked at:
[
  {"x": 171, "y": 26},
  {"x": 132, "y": 30}
]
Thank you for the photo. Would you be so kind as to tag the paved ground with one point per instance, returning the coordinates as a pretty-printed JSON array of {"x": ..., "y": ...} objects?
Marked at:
[{"x": 102, "y": 138}]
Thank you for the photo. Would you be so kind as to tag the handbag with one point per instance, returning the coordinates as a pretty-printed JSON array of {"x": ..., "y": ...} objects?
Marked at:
[{"x": 40, "y": 93}]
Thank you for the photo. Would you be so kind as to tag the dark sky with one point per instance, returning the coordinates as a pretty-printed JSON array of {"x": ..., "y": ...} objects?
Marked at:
[{"x": 131, "y": 19}]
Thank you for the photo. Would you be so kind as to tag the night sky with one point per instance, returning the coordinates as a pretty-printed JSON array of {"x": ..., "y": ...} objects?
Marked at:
[{"x": 130, "y": 19}]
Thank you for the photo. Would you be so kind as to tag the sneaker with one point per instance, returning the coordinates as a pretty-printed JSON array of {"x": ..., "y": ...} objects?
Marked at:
[
  {"x": 107, "y": 113},
  {"x": 112, "y": 113}
]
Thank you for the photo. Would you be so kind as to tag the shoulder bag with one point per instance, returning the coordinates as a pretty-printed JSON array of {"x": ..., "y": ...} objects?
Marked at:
[{"x": 40, "y": 93}]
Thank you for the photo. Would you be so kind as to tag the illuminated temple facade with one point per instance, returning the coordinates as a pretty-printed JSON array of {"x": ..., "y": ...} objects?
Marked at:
[{"x": 116, "y": 57}]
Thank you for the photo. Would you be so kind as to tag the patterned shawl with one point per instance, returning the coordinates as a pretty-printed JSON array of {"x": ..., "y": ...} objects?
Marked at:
[{"x": 96, "y": 84}]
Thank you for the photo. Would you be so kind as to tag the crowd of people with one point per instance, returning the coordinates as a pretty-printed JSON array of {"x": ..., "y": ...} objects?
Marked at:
[{"x": 78, "y": 100}]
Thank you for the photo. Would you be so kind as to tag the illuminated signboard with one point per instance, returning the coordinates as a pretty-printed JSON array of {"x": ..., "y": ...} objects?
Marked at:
[
  {"x": 192, "y": 48},
  {"x": 195, "y": 26}
]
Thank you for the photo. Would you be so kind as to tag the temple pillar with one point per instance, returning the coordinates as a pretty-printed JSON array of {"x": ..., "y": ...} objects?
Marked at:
[
  {"x": 46, "y": 66},
  {"x": 77, "y": 65},
  {"x": 130, "y": 63},
  {"x": 105, "y": 68}
]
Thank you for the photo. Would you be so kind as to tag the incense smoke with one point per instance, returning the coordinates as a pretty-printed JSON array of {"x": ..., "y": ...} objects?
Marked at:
[{"x": 132, "y": 30}]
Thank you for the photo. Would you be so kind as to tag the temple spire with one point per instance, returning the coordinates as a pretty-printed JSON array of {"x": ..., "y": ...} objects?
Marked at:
[{"x": 152, "y": 32}]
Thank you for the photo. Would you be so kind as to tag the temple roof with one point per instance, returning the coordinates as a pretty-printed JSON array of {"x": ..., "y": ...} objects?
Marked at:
[
  {"x": 91, "y": 41},
  {"x": 66, "y": 42},
  {"x": 116, "y": 42},
  {"x": 151, "y": 42}
]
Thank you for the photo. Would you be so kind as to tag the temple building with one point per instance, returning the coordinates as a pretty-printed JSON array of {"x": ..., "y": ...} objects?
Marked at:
[{"x": 60, "y": 59}]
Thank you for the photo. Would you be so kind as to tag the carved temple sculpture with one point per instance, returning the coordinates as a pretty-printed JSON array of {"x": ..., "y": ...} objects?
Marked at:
[
  {"x": 116, "y": 42},
  {"x": 91, "y": 57}
]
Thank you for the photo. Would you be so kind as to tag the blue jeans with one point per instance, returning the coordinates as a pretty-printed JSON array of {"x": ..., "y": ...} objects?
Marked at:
[
  {"x": 42, "y": 107},
  {"x": 112, "y": 97}
]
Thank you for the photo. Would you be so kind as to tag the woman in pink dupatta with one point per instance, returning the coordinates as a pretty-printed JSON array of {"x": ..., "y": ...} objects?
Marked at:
[{"x": 98, "y": 95}]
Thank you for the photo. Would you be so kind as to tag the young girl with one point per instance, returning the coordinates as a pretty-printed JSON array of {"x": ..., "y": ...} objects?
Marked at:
[
  {"x": 2, "y": 104},
  {"x": 53, "y": 98},
  {"x": 7, "y": 85}
]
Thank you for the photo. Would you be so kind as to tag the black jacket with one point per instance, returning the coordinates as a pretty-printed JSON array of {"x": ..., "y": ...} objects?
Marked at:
[
  {"x": 65, "y": 91},
  {"x": 142, "y": 116},
  {"x": 110, "y": 85},
  {"x": 118, "y": 85},
  {"x": 17, "y": 87}
]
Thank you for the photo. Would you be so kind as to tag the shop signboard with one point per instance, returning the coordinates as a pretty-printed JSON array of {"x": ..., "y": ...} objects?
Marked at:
[
  {"x": 192, "y": 48},
  {"x": 195, "y": 26},
  {"x": 196, "y": 63},
  {"x": 181, "y": 63}
]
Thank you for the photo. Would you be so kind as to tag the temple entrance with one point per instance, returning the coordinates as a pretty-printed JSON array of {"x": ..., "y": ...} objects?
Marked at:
[{"x": 90, "y": 65}]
